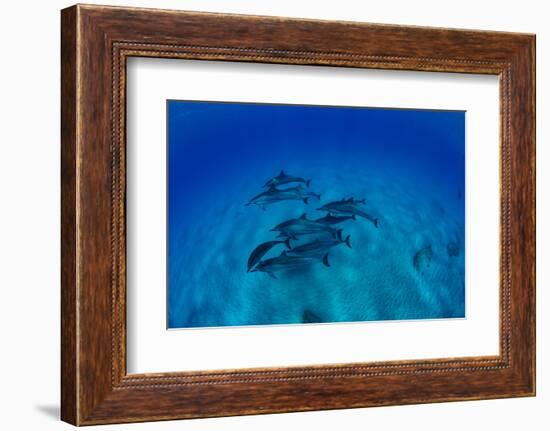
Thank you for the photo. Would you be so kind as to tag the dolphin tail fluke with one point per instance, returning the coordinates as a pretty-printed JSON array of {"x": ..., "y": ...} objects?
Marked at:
[
  {"x": 325, "y": 260},
  {"x": 308, "y": 182},
  {"x": 305, "y": 200},
  {"x": 348, "y": 243},
  {"x": 339, "y": 234},
  {"x": 376, "y": 223},
  {"x": 287, "y": 243}
]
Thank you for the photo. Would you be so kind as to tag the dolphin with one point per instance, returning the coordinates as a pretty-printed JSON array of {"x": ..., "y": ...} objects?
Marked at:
[
  {"x": 330, "y": 219},
  {"x": 356, "y": 201},
  {"x": 285, "y": 262},
  {"x": 273, "y": 195},
  {"x": 349, "y": 207},
  {"x": 349, "y": 201},
  {"x": 284, "y": 178},
  {"x": 318, "y": 248},
  {"x": 261, "y": 250},
  {"x": 303, "y": 226},
  {"x": 299, "y": 192}
]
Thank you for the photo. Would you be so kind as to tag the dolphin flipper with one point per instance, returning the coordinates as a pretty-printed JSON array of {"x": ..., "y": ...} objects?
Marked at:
[
  {"x": 305, "y": 200},
  {"x": 325, "y": 260},
  {"x": 287, "y": 243},
  {"x": 348, "y": 243}
]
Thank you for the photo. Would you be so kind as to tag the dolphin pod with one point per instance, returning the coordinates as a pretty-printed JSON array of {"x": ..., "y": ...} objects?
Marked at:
[{"x": 309, "y": 251}]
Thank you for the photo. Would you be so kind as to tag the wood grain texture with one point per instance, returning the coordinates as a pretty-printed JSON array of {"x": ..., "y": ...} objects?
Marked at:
[
  {"x": 96, "y": 41},
  {"x": 69, "y": 366}
]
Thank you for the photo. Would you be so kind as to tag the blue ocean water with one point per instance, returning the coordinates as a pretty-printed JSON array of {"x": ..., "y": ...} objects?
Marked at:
[{"x": 409, "y": 165}]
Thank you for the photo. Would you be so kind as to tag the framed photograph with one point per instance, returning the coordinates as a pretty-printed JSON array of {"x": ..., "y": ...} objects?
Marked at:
[{"x": 266, "y": 215}]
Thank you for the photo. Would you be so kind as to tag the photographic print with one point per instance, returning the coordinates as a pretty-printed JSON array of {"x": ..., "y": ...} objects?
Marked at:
[{"x": 300, "y": 214}]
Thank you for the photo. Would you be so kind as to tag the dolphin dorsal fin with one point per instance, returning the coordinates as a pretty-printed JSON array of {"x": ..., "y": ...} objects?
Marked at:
[
  {"x": 282, "y": 174},
  {"x": 303, "y": 216}
]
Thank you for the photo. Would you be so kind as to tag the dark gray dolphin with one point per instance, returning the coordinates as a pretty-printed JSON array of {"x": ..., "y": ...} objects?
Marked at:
[
  {"x": 318, "y": 248},
  {"x": 348, "y": 207},
  {"x": 341, "y": 202},
  {"x": 261, "y": 250},
  {"x": 273, "y": 195},
  {"x": 330, "y": 219},
  {"x": 284, "y": 178},
  {"x": 303, "y": 226},
  {"x": 285, "y": 263}
]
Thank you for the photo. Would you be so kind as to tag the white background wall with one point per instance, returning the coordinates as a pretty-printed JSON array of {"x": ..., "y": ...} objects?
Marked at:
[{"x": 29, "y": 214}]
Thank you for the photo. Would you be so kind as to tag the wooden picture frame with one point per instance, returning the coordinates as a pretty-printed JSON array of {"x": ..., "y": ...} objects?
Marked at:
[{"x": 95, "y": 43}]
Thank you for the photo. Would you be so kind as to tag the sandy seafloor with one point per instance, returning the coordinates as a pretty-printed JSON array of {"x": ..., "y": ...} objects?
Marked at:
[{"x": 408, "y": 165}]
